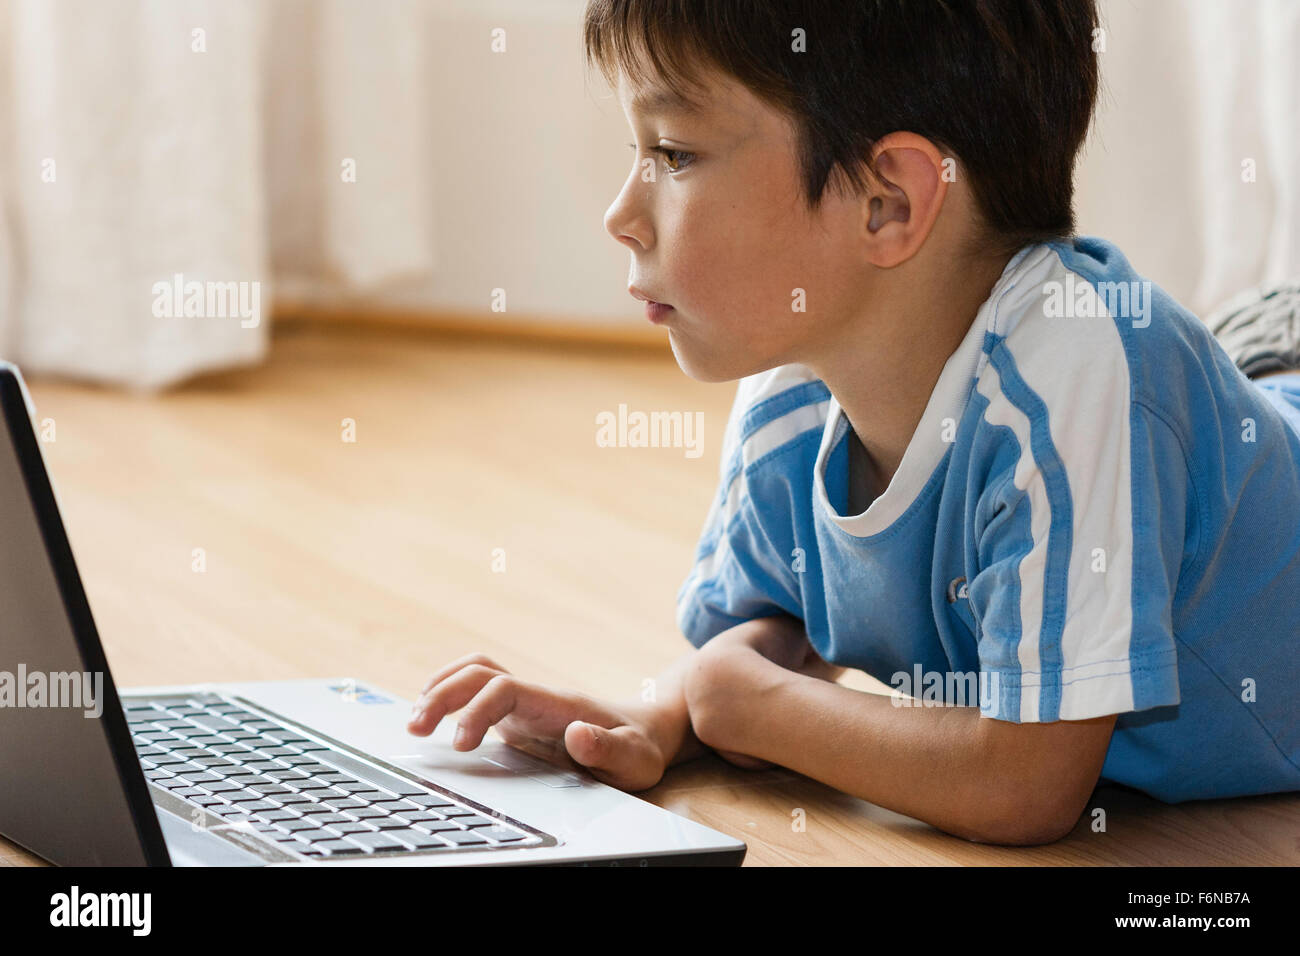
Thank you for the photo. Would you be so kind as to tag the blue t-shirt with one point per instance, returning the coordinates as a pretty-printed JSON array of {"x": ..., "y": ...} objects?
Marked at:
[{"x": 1097, "y": 514}]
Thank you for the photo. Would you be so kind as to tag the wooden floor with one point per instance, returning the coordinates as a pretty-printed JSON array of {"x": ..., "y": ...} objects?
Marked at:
[{"x": 374, "y": 559}]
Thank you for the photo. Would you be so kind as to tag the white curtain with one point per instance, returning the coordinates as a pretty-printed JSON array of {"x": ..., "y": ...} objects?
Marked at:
[
  {"x": 264, "y": 143},
  {"x": 1194, "y": 166}
]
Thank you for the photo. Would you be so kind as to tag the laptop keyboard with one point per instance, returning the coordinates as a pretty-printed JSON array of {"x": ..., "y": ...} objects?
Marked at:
[{"x": 306, "y": 796}]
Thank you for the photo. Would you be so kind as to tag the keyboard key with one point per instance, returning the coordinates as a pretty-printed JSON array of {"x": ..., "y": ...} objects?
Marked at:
[
  {"x": 350, "y": 828},
  {"x": 202, "y": 777},
  {"x": 323, "y": 818},
  {"x": 462, "y": 837},
  {"x": 395, "y": 806},
  {"x": 378, "y": 841},
  {"x": 218, "y": 724},
  {"x": 500, "y": 834},
  {"x": 338, "y": 848},
  {"x": 261, "y": 766},
  {"x": 286, "y": 775},
  {"x": 415, "y": 816},
  {"x": 292, "y": 826},
  {"x": 416, "y": 839},
  {"x": 233, "y": 813},
  {"x": 435, "y": 826},
  {"x": 343, "y": 803},
  {"x": 275, "y": 816},
  {"x": 430, "y": 800},
  {"x": 358, "y": 787},
  {"x": 244, "y": 796}
]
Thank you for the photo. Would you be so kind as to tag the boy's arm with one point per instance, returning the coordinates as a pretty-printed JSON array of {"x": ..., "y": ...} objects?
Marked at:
[
  {"x": 986, "y": 780},
  {"x": 780, "y": 639}
]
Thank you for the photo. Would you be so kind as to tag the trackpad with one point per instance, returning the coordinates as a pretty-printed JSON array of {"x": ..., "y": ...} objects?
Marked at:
[{"x": 529, "y": 766}]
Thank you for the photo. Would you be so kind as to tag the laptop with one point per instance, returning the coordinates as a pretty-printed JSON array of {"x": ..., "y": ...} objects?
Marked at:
[{"x": 270, "y": 773}]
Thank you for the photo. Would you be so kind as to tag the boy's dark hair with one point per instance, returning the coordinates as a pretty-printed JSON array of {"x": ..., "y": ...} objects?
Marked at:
[{"x": 1008, "y": 86}]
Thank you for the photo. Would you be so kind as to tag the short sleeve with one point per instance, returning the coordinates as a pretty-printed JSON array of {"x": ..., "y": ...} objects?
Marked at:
[
  {"x": 737, "y": 575},
  {"x": 1081, "y": 537}
]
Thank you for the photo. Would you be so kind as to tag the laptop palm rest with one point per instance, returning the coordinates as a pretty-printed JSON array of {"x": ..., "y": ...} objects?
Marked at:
[{"x": 189, "y": 846}]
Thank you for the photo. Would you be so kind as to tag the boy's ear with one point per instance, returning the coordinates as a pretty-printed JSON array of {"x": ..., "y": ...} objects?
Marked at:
[{"x": 904, "y": 199}]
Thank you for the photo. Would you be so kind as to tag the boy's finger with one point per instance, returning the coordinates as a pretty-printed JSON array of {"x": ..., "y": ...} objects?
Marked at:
[
  {"x": 495, "y": 701},
  {"x": 451, "y": 694},
  {"x": 454, "y": 666},
  {"x": 543, "y": 711},
  {"x": 621, "y": 757}
]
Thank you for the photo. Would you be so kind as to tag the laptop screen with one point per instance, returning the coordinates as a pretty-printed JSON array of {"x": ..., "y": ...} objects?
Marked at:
[{"x": 71, "y": 789}]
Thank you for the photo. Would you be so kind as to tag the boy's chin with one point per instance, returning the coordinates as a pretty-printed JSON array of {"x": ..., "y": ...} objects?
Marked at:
[{"x": 711, "y": 369}]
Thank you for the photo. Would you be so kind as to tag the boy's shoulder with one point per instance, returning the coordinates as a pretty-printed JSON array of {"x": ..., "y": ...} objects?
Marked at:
[{"x": 1077, "y": 327}]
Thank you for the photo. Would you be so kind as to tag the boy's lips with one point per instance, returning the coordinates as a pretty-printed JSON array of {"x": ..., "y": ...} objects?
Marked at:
[
  {"x": 638, "y": 294},
  {"x": 655, "y": 311}
]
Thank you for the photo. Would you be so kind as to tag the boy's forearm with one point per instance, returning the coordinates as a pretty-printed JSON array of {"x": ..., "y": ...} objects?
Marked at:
[{"x": 942, "y": 765}]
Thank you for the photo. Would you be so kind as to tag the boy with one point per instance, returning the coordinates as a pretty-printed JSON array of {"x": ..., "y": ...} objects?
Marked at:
[{"x": 971, "y": 455}]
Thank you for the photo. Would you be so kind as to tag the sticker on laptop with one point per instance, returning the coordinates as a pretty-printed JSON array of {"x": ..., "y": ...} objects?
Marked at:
[{"x": 354, "y": 693}]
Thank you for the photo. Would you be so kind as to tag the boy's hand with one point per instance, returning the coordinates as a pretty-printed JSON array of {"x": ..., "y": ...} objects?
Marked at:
[
  {"x": 781, "y": 639},
  {"x": 618, "y": 747}
]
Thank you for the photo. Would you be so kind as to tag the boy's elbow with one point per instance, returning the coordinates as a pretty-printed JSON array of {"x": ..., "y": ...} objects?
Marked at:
[
  {"x": 1021, "y": 833},
  {"x": 1031, "y": 822}
]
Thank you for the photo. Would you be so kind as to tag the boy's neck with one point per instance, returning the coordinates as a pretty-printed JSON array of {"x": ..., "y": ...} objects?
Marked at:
[{"x": 885, "y": 363}]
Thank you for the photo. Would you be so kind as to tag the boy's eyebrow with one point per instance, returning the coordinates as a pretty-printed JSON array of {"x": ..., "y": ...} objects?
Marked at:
[{"x": 659, "y": 101}]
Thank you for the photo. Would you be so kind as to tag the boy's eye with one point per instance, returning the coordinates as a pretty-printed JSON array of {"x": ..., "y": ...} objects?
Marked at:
[{"x": 674, "y": 166}]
